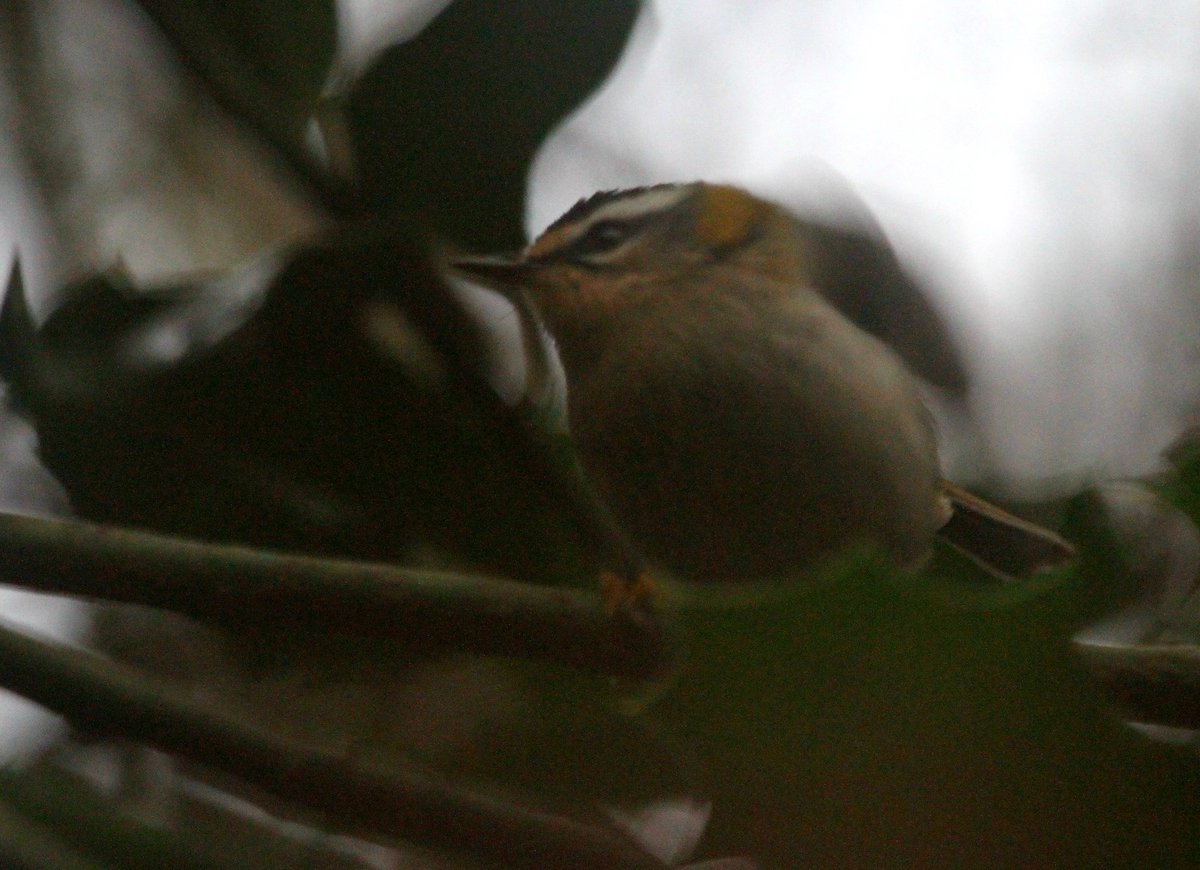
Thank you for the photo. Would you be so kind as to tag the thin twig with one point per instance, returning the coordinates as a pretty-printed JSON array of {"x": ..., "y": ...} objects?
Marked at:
[
  {"x": 1152, "y": 684},
  {"x": 359, "y": 796},
  {"x": 410, "y": 607}
]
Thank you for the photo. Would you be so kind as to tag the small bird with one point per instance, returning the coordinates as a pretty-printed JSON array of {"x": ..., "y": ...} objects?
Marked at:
[{"x": 731, "y": 392}]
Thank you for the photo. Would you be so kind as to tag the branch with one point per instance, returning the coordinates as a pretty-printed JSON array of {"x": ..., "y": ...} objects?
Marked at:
[
  {"x": 89, "y": 825},
  {"x": 28, "y": 845},
  {"x": 357, "y": 795},
  {"x": 413, "y": 608},
  {"x": 1152, "y": 684}
]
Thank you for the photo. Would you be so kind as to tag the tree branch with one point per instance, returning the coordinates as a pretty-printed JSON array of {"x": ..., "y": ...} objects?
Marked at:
[
  {"x": 29, "y": 845},
  {"x": 413, "y": 608},
  {"x": 357, "y": 795},
  {"x": 87, "y": 823}
]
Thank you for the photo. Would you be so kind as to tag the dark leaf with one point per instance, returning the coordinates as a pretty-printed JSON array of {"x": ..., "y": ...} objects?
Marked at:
[
  {"x": 94, "y": 827},
  {"x": 446, "y": 124},
  {"x": 267, "y": 61},
  {"x": 863, "y": 722},
  {"x": 350, "y": 414},
  {"x": 17, "y": 330}
]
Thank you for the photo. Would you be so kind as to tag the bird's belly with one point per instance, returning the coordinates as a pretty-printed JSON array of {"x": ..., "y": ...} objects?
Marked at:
[{"x": 757, "y": 467}]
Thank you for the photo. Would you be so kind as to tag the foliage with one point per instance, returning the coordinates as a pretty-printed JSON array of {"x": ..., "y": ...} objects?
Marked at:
[{"x": 859, "y": 717}]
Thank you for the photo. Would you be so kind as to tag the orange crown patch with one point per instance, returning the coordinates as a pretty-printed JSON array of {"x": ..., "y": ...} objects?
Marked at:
[{"x": 726, "y": 215}]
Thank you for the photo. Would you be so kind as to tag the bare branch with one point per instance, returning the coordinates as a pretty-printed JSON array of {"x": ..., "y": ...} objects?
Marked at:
[
  {"x": 354, "y": 794},
  {"x": 29, "y": 845},
  {"x": 413, "y": 608}
]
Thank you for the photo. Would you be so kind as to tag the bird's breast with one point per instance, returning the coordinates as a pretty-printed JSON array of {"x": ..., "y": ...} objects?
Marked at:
[{"x": 748, "y": 437}]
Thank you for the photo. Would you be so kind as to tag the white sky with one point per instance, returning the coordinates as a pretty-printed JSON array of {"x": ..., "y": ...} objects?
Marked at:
[{"x": 1034, "y": 158}]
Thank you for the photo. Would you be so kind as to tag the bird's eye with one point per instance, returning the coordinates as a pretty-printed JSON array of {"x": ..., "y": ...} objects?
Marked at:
[{"x": 601, "y": 237}]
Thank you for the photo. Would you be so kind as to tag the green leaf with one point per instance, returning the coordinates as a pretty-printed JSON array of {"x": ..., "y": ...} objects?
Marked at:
[{"x": 866, "y": 722}]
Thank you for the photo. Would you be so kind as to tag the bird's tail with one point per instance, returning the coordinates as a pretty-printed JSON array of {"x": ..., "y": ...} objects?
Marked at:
[{"x": 1004, "y": 545}]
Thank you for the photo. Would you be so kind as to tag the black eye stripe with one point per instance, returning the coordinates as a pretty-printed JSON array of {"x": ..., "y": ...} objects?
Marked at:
[{"x": 600, "y": 238}]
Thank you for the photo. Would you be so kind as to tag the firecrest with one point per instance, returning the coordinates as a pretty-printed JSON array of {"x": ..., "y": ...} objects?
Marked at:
[{"x": 736, "y": 390}]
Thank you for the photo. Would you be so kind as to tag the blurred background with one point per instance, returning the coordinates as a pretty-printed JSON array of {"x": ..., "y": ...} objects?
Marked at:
[{"x": 1034, "y": 164}]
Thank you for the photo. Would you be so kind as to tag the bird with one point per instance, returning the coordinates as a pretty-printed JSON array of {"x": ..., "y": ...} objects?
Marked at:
[{"x": 736, "y": 390}]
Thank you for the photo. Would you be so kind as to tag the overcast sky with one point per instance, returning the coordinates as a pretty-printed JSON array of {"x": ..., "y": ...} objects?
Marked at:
[{"x": 1034, "y": 160}]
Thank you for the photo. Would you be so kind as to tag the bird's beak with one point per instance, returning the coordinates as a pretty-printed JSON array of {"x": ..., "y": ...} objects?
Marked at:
[{"x": 493, "y": 270}]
